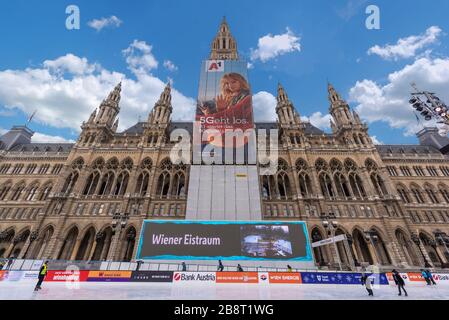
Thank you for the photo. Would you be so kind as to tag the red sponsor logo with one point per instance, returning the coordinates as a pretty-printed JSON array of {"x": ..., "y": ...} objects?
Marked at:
[
  {"x": 415, "y": 277},
  {"x": 290, "y": 277},
  {"x": 63, "y": 276},
  {"x": 237, "y": 277},
  {"x": 177, "y": 277}
]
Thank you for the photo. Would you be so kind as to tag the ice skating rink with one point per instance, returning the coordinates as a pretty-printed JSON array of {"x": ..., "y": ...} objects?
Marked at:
[{"x": 154, "y": 291}]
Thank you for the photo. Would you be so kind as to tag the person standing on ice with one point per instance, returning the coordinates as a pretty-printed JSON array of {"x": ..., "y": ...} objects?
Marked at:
[
  {"x": 239, "y": 268},
  {"x": 220, "y": 266},
  {"x": 184, "y": 267},
  {"x": 430, "y": 277},
  {"x": 366, "y": 281},
  {"x": 425, "y": 276},
  {"x": 42, "y": 273},
  {"x": 399, "y": 282}
]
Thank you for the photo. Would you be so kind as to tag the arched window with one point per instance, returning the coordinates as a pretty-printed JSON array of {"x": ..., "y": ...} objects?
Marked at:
[
  {"x": 4, "y": 190},
  {"x": 163, "y": 185},
  {"x": 32, "y": 192},
  {"x": 106, "y": 183},
  {"x": 443, "y": 190},
  {"x": 17, "y": 191},
  {"x": 326, "y": 186},
  {"x": 283, "y": 185},
  {"x": 91, "y": 184},
  {"x": 417, "y": 193},
  {"x": 403, "y": 193},
  {"x": 142, "y": 183},
  {"x": 45, "y": 192},
  {"x": 121, "y": 184},
  {"x": 70, "y": 182},
  {"x": 342, "y": 185},
  {"x": 431, "y": 193},
  {"x": 305, "y": 184},
  {"x": 178, "y": 189}
]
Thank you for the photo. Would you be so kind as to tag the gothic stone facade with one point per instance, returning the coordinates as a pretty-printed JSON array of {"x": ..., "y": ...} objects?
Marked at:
[{"x": 87, "y": 201}]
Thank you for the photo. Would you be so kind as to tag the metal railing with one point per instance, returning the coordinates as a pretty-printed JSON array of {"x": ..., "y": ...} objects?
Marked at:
[{"x": 34, "y": 265}]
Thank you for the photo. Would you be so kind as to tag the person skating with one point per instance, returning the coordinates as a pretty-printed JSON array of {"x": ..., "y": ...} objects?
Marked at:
[
  {"x": 289, "y": 268},
  {"x": 399, "y": 282},
  {"x": 366, "y": 281},
  {"x": 425, "y": 276},
  {"x": 220, "y": 266},
  {"x": 9, "y": 264},
  {"x": 42, "y": 273},
  {"x": 184, "y": 267},
  {"x": 430, "y": 277},
  {"x": 239, "y": 268}
]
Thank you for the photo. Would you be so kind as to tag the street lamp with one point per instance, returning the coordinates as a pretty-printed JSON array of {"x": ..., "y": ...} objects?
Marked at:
[
  {"x": 331, "y": 226},
  {"x": 119, "y": 222},
  {"x": 417, "y": 241}
]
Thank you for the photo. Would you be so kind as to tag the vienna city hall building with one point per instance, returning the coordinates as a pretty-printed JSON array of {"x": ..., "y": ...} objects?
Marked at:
[{"x": 86, "y": 201}]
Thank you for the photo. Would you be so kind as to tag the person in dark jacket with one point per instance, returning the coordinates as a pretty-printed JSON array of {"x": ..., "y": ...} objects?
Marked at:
[
  {"x": 220, "y": 266},
  {"x": 184, "y": 267},
  {"x": 430, "y": 277},
  {"x": 139, "y": 264},
  {"x": 42, "y": 273},
  {"x": 239, "y": 268},
  {"x": 426, "y": 277},
  {"x": 399, "y": 282}
]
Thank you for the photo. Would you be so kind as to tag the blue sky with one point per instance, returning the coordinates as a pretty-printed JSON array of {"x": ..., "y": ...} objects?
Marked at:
[{"x": 331, "y": 35}]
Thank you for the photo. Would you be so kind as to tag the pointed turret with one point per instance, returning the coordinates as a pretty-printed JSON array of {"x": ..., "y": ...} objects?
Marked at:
[
  {"x": 224, "y": 46},
  {"x": 162, "y": 110},
  {"x": 339, "y": 109},
  {"x": 285, "y": 110},
  {"x": 110, "y": 108}
]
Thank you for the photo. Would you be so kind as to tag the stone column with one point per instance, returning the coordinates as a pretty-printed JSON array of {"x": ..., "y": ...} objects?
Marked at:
[{"x": 75, "y": 249}]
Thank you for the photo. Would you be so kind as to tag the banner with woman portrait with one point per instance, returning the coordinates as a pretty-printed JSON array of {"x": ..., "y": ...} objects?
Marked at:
[{"x": 225, "y": 97}]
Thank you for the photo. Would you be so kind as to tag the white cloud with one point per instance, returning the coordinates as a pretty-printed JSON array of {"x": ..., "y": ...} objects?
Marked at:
[
  {"x": 389, "y": 103},
  {"x": 100, "y": 24},
  {"x": 170, "y": 66},
  {"x": 376, "y": 141},
  {"x": 65, "y": 100},
  {"x": 319, "y": 120},
  {"x": 2, "y": 131},
  {"x": 407, "y": 47},
  {"x": 44, "y": 138},
  {"x": 139, "y": 57},
  {"x": 264, "y": 104},
  {"x": 270, "y": 47},
  {"x": 70, "y": 63}
]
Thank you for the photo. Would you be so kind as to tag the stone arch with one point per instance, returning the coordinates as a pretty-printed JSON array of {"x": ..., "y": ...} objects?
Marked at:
[
  {"x": 442, "y": 189},
  {"x": 69, "y": 242},
  {"x": 128, "y": 243},
  {"x": 380, "y": 247},
  {"x": 430, "y": 245},
  {"x": 431, "y": 192},
  {"x": 103, "y": 241},
  {"x": 42, "y": 242},
  {"x": 321, "y": 253},
  {"x": 407, "y": 247},
  {"x": 86, "y": 244},
  {"x": 361, "y": 247}
]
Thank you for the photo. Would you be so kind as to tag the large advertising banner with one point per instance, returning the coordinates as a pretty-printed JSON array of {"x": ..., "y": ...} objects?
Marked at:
[
  {"x": 109, "y": 276},
  {"x": 225, "y": 98},
  {"x": 219, "y": 240},
  {"x": 238, "y": 277},
  {"x": 66, "y": 276}
]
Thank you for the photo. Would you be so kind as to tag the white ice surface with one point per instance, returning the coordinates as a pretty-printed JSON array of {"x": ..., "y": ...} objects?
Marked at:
[{"x": 154, "y": 291}]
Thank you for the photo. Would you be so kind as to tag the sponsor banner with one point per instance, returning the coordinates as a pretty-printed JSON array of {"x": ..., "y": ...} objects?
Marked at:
[
  {"x": 2, "y": 275},
  {"x": 340, "y": 278},
  {"x": 30, "y": 275},
  {"x": 264, "y": 278},
  {"x": 442, "y": 278},
  {"x": 285, "y": 278},
  {"x": 66, "y": 276},
  {"x": 415, "y": 277},
  {"x": 237, "y": 277},
  {"x": 152, "y": 276},
  {"x": 109, "y": 276},
  {"x": 197, "y": 277},
  {"x": 224, "y": 240},
  {"x": 13, "y": 276}
]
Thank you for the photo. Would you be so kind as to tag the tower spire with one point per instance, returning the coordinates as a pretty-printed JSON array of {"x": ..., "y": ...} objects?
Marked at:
[{"x": 224, "y": 46}]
